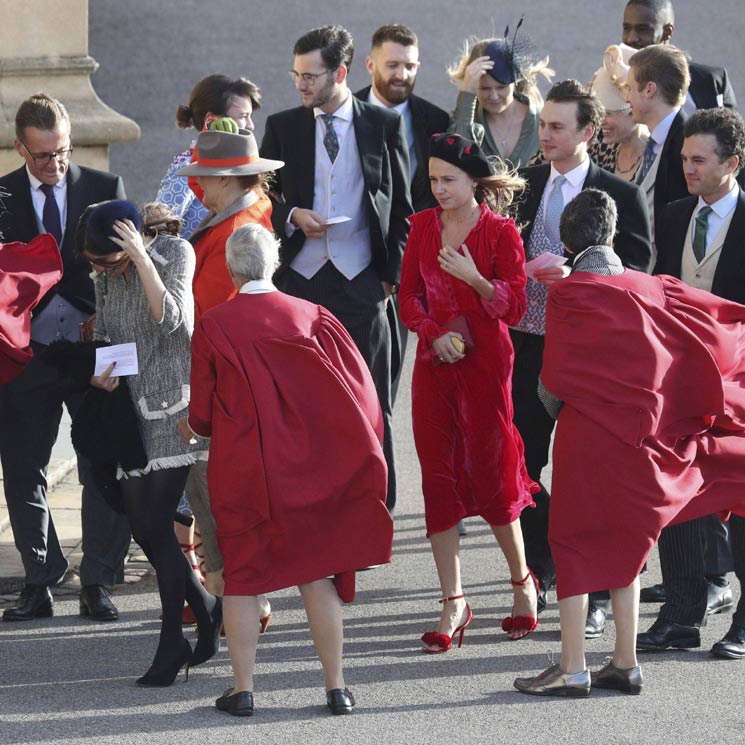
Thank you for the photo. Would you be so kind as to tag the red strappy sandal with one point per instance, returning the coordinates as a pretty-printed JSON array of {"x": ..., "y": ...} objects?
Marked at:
[
  {"x": 522, "y": 623},
  {"x": 443, "y": 642}
]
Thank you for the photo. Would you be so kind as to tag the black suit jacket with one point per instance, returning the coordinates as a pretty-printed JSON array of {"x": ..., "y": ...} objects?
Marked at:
[
  {"x": 729, "y": 277},
  {"x": 290, "y": 136},
  {"x": 709, "y": 82},
  {"x": 18, "y": 223},
  {"x": 633, "y": 238},
  {"x": 670, "y": 183},
  {"x": 428, "y": 120}
]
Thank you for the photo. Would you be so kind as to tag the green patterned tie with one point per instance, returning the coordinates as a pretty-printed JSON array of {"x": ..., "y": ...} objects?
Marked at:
[{"x": 699, "y": 234}]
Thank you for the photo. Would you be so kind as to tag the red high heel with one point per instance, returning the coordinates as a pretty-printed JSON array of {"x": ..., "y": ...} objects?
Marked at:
[
  {"x": 522, "y": 623},
  {"x": 443, "y": 642}
]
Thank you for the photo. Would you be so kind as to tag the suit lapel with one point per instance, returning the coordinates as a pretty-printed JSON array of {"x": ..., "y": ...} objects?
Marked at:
[
  {"x": 74, "y": 208},
  {"x": 728, "y": 277},
  {"x": 370, "y": 146},
  {"x": 305, "y": 164},
  {"x": 537, "y": 177}
]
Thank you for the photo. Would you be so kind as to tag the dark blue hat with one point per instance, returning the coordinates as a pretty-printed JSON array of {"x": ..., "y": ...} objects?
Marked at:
[
  {"x": 101, "y": 225},
  {"x": 505, "y": 70}
]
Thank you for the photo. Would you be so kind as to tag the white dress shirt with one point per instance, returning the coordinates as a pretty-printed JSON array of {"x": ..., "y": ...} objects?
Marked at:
[
  {"x": 257, "y": 287},
  {"x": 721, "y": 210},
  {"x": 575, "y": 179},
  {"x": 39, "y": 198}
]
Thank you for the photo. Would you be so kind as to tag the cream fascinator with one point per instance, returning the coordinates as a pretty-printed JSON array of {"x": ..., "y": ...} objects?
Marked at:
[{"x": 611, "y": 77}]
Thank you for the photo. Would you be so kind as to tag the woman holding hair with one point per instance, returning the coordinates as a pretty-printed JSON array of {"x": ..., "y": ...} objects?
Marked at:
[
  {"x": 143, "y": 295},
  {"x": 214, "y": 96},
  {"x": 499, "y": 102},
  {"x": 462, "y": 283}
]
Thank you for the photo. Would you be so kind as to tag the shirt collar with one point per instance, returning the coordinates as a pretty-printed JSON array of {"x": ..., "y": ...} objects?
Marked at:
[
  {"x": 375, "y": 101},
  {"x": 576, "y": 177},
  {"x": 722, "y": 207},
  {"x": 345, "y": 111},
  {"x": 662, "y": 130},
  {"x": 257, "y": 287},
  {"x": 36, "y": 184}
]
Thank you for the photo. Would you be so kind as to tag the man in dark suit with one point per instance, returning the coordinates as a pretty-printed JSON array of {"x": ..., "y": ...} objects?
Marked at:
[
  {"x": 341, "y": 203},
  {"x": 47, "y": 195},
  {"x": 655, "y": 89},
  {"x": 647, "y": 22},
  {"x": 702, "y": 243},
  {"x": 393, "y": 64},
  {"x": 569, "y": 120}
]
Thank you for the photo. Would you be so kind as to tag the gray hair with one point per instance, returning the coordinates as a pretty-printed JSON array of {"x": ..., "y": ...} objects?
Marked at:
[
  {"x": 588, "y": 220},
  {"x": 252, "y": 252}
]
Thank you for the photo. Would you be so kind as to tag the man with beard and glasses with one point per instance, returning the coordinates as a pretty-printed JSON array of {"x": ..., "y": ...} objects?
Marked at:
[
  {"x": 393, "y": 63},
  {"x": 341, "y": 204}
]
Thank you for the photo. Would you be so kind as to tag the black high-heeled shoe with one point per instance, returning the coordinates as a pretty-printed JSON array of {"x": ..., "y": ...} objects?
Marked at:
[
  {"x": 164, "y": 676},
  {"x": 208, "y": 641}
]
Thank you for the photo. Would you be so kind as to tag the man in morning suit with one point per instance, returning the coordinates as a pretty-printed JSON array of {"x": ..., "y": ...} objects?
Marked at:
[
  {"x": 655, "y": 89},
  {"x": 570, "y": 119},
  {"x": 47, "y": 195},
  {"x": 341, "y": 203},
  {"x": 647, "y": 22},
  {"x": 703, "y": 243},
  {"x": 393, "y": 64}
]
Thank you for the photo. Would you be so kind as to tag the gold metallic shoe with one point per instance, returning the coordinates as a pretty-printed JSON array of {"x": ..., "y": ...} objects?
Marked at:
[
  {"x": 553, "y": 682},
  {"x": 629, "y": 680}
]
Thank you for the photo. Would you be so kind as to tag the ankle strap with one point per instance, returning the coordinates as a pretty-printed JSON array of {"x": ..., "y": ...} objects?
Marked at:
[
  {"x": 522, "y": 581},
  {"x": 453, "y": 597}
]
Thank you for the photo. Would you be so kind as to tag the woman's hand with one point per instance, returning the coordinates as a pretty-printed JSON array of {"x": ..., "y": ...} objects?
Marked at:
[
  {"x": 444, "y": 349},
  {"x": 130, "y": 241},
  {"x": 104, "y": 381},
  {"x": 187, "y": 435},
  {"x": 474, "y": 72},
  {"x": 459, "y": 265},
  {"x": 551, "y": 274}
]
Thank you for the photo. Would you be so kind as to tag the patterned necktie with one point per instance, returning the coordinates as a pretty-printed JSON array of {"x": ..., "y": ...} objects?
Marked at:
[
  {"x": 330, "y": 140},
  {"x": 647, "y": 160},
  {"x": 554, "y": 208},
  {"x": 699, "y": 234},
  {"x": 50, "y": 216}
]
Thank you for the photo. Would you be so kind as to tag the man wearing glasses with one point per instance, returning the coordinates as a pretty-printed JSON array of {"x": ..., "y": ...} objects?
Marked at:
[
  {"x": 47, "y": 195},
  {"x": 341, "y": 203}
]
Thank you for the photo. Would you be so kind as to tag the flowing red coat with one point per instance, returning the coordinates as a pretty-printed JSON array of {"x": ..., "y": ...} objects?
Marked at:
[
  {"x": 27, "y": 272},
  {"x": 296, "y": 474},
  {"x": 652, "y": 430},
  {"x": 471, "y": 454}
]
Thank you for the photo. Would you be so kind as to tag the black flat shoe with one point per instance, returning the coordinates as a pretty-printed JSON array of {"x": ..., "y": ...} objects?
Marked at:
[
  {"x": 239, "y": 704},
  {"x": 595, "y": 623},
  {"x": 35, "y": 601},
  {"x": 664, "y": 634},
  {"x": 652, "y": 594},
  {"x": 340, "y": 701},
  {"x": 96, "y": 603},
  {"x": 629, "y": 680},
  {"x": 208, "y": 641},
  {"x": 732, "y": 646},
  {"x": 163, "y": 676}
]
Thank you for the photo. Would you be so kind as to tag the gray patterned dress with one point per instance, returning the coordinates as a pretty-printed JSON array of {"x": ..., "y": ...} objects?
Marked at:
[{"x": 160, "y": 392}]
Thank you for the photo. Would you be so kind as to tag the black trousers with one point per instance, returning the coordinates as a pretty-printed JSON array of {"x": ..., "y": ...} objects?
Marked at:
[
  {"x": 360, "y": 306},
  {"x": 535, "y": 427},
  {"x": 30, "y": 413},
  {"x": 683, "y": 562}
]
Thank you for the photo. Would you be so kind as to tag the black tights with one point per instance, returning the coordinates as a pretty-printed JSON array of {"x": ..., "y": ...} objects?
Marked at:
[{"x": 150, "y": 502}]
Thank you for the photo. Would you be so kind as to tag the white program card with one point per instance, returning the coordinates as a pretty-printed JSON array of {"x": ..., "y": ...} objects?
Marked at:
[
  {"x": 125, "y": 356},
  {"x": 337, "y": 220},
  {"x": 543, "y": 261}
]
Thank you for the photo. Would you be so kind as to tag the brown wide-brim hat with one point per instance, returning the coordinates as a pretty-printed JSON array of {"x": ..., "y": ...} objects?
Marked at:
[{"x": 226, "y": 154}]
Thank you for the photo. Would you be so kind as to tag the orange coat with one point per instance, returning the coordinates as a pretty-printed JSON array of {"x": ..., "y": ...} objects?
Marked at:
[{"x": 212, "y": 284}]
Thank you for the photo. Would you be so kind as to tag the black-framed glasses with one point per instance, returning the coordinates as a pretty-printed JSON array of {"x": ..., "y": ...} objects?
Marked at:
[
  {"x": 43, "y": 159},
  {"x": 309, "y": 78}
]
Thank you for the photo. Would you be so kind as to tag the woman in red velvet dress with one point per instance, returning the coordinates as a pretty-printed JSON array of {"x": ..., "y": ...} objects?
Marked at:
[{"x": 459, "y": 301}]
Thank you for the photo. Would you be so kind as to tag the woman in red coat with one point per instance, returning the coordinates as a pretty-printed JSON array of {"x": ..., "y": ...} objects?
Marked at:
[
  {"x": 296, "y": 474},
  {"x": 462, "y": 282}
]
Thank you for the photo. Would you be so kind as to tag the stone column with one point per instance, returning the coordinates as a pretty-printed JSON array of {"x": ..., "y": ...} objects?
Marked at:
[{"x": 44, "y": 48}]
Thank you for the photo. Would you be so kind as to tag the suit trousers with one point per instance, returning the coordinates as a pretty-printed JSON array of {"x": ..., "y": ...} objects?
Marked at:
[
  {"x": 535, "y": 427},
  {"x": 30, "y": 411},
  {"x": 360, "y": 306}
]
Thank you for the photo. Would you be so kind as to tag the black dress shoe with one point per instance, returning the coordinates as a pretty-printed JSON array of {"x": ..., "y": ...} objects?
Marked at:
[
  {"x": 545, "y": 585},
  {"x": 96, "y": 603},
  {"x": 718, "y": 599},
  {"x": 35, "y": 601},
  {"x": 653, "y": 594},
  {"x": 595, "y": 624},
  {"x": 665, "y": 634},
  {"x": 340, "y": 701},
  {"x": 239, "y": 704},
  {"x": 732, "y": 647}
]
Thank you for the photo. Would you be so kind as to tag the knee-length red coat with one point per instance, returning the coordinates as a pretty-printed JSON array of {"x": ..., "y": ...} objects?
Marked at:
[
  {"x": 470, "y": 452},
  {"x": 296, "y": 474}
]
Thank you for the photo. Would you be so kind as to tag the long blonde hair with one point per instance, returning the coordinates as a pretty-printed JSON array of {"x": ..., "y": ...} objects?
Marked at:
[{"x": 526, "y": 87}]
